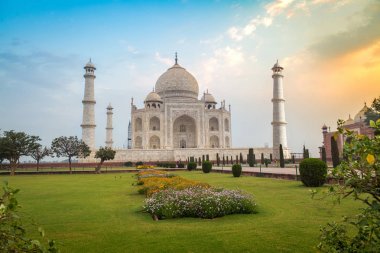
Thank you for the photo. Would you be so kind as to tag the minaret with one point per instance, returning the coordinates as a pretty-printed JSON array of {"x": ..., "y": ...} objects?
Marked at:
[
  {"x": 88, "y": 123},
  {"x": 129, "y": 135},
  {"x": 279, "y": 122},
  {"x": 109, "y": 127}
]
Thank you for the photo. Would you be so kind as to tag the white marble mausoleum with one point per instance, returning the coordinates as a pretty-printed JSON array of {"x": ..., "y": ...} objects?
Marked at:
[{"x": 175, "y": 123}]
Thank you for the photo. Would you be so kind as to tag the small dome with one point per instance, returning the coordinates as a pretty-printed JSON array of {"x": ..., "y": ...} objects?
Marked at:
[
  {"x": 109, "y": 107},
  {"x": 90, "y": 65},
  {"x": 349, "y": 121},
  {"x": 153, "y": 97},
  {"x": 277, "y": 66},
  {"x": 360, "y": 116},
  {"x": 324, "y": 126},
  {"x": 208, "y": 98},
  {"x": 177, "y": 82}
]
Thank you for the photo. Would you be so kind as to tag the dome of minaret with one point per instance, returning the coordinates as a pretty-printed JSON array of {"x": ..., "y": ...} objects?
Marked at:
[
  {"x": 176, "y": 82},
  {"x": 90, "y": 64},
  {"x": 153, "y": 97},
  {"x": 109, "y": 107},
  {"x": 277, "y": 66},
  {"x": 360, "y": 116},
  {"x": 208, "y": 98},
  {"x": 349, "y": 121}
]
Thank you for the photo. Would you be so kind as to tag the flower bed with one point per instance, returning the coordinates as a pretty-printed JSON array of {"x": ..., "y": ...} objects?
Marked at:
[
  {"x": 198, "y": 202},
  {"x": 170, "y": 196},
  {"x": 151, "y": 183}
]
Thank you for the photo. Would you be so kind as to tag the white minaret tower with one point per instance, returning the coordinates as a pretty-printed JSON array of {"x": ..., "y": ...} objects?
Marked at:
[
  {"x": 109, "y": 127},
  {"x": 88, "y": 123},
  {"x": 279, "y": 122}
]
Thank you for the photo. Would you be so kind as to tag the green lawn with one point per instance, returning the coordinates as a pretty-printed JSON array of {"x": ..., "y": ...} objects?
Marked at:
[{"x": 102, "y": 213}]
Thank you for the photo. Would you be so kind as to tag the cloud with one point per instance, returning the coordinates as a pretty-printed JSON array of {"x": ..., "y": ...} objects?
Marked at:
[
  {"x": 237, "y": 34},
  {"x": 164, "y": 60},
  {"x": 277, "y": 7},
  {"x": 362, "y": 33},
  {"x": 227, "y": 60}
]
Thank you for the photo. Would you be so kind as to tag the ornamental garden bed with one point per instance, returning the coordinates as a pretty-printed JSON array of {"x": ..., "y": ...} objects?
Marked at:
[{"x": 171, "y": 196}]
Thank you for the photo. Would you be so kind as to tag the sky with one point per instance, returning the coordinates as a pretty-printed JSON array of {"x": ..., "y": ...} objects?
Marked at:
[{"x": 330, "y": 51}]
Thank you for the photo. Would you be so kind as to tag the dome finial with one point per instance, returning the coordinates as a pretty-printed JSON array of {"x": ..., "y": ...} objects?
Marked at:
[{"x": 176, "y": 58}]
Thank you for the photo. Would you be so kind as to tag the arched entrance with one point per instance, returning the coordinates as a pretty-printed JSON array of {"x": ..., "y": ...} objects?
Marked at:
[{"x": 184, "y": 132}]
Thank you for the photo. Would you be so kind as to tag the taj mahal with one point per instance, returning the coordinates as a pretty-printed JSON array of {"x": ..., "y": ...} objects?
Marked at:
[{"x": 175, "y": 124}]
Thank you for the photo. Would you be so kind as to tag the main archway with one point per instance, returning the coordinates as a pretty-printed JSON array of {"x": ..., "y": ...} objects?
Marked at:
[{"x": 184, "y": 132}]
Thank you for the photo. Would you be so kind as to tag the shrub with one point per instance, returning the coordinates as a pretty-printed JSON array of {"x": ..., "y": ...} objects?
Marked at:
[
  {"x": 251, "y": 158},
  {"x": 156, "y": 183},
  {"x": 313, "y": 172},
  {"x": 236, "y": 170},
  {"x": 181, "y": 165},
  {"x": 139, "y": 163},
  {"x": 192, "y": 166},
  {"x": 198, "y": 202},
  {"x": 128, "y": 164},
  {"x": 206, "y": 166}
]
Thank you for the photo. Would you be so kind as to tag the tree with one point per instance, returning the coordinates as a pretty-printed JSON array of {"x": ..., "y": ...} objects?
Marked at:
[
  {"x": 323, "y": 154},
  {"x": 374, "y": 111},
  {"x": 104, "y": 154},
  {"x": 282, "y": 160},
  {"x": 241, "y": 158},
  {"x": 334, "y": 152},
  {"x": 361, "y": 176},
  {"x": 251, "y": 158},
  {"x": 13, "y": 237},
  {"x": 217, "y": 159},
  {"x": 39, "y": 153},
  {"x": 305, "y": 152},
  {"x": 70, "y": 147},
  {"x": 14, "y": 145},
  {"x": 262, "y": 158}
]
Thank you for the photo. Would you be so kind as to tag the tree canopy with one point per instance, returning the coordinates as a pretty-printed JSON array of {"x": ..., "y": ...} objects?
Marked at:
[
  {"x": 70, "y": 147},
  {"x": 104, "y": 154},
  {"x": 360, "y": 174},
  {"x": 374, "y": 111},
  {"x": 14, "y": 145},
  {"x": 39, "y": 153}
]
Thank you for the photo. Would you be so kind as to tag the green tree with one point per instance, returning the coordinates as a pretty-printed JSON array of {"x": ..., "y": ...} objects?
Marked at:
[
  {"x": 374, "y": 111},
  {"x": 262, "y": 158},
  {"x": 251, "y": 158},
  {"x": 305, "y": 152},
  {"x": 323, "y": 154},
  {"x": 70, "y": 147},
  {"x": 14, "y": 145},
  {"x": 282, "y": 160},
  {"x": 334, "y": 152},
  {"x": 361, "y": 176},
  {"x": 104, "y": 154},
  {"x": 39, "y": 153},
  {"x": 13, "y": 237}
]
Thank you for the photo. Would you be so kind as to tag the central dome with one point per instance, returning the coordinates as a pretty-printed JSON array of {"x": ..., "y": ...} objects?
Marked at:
[{"x": 176, "y": 82}]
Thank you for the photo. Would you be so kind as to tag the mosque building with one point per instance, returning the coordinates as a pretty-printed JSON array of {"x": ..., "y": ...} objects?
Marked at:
[
  {"x": 357, "y": 124},
  {"x": 174, "y": 124}
]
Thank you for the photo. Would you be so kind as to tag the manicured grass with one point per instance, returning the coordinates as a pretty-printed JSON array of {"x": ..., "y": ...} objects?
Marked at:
[{"x": 102, "y": 213}]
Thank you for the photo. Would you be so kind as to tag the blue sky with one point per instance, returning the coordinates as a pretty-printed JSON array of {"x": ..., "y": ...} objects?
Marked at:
[{"x": 330, "y": 51}]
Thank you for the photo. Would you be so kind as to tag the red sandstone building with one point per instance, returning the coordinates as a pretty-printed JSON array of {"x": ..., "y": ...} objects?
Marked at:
[{"x": 356, "y": 124}]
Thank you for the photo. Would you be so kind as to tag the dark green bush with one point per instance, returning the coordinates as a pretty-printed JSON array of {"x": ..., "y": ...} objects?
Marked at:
[
  {"x": 128, "y": 164},
  {"x": 236, "y": 170},
  {"x": 192, "y": 166},
  {"x": 181, "y": 165},
  {"x": 206, "y": 166},
  {"x": 139, "y": 163},
  {"x": 313, "y": 172}
]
